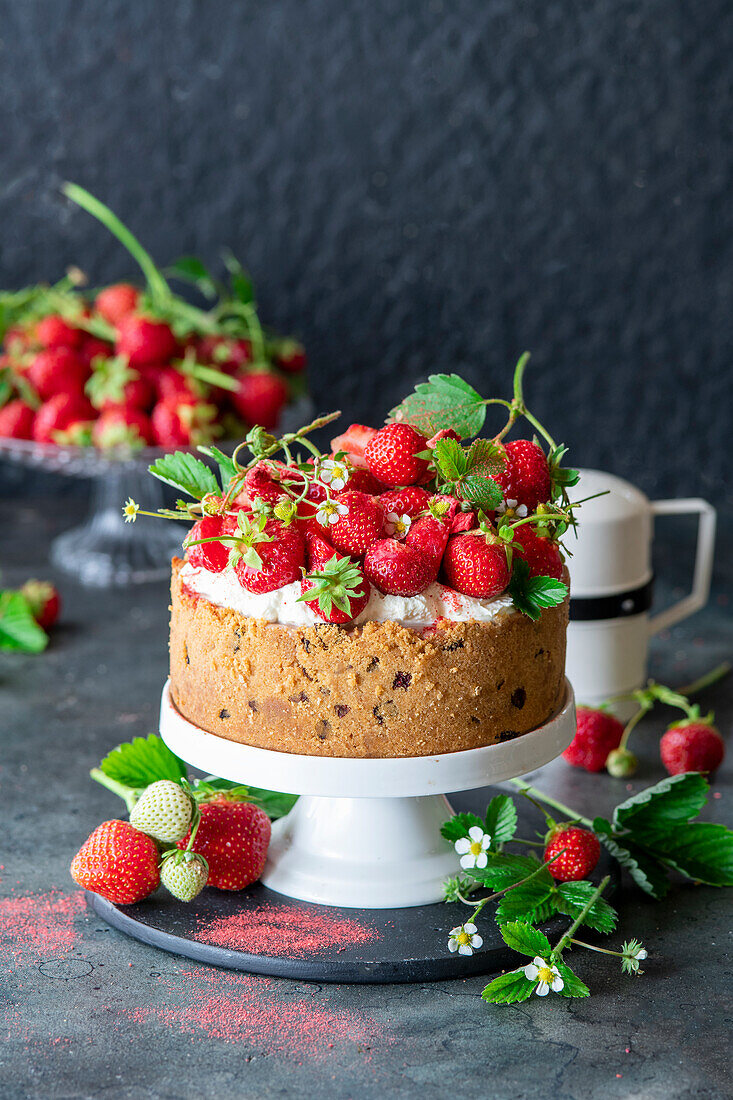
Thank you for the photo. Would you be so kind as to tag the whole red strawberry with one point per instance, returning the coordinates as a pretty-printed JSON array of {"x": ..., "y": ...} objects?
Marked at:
[
  {"x": 361, "y": 479},
  {"x": 582, "y": 852},
  {"x": 233, "y": 837},
  {"x": 475, "y": 566},
  {"x": 259, "y": 482},
  {"x": 117, "y": 862},
  {"x": 526, "y": 477},
  {"x": 181, "y": 421},
  {"x": 542, "y": 555},
  {"x": 281, "y": 559},
  {"x": 692, "y": 746},
  {"x": 260, "y": 398},
  {"x": 44, "y": 601},
  {"x": 408, "y": 501},
  {"x": 145, "y": 341},
  {"x": 361, "y": 526},
  {"x": 91, "y": 348},
  {"x": 168, "y": 382},
  {"x": 209, "y": 555},
  {"x": 597, "y": 733},
  {"x": 138, "y": 393},
  {"x": 430, "y": 535},
  {"x": 391, "y": 455},
  {"x": 57, "y": 370},
  {"x": 397, "y": 569},
  {"x": 339, "y": 577},
  {"x": 224, "y": 354},
  {"x": 122, "y": 426},
  {"x": 291, "y": 356},
  {"x": 59, "y": 413},
  {"x": 117, "y": 301},
  {"x": 354, "y": 442},
  {"x": 54, "y": 332},
  {"x": 16, "y": 420}
]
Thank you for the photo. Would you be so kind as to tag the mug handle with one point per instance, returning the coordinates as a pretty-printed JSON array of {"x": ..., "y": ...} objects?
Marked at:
[{"x": 698, "y": 597}]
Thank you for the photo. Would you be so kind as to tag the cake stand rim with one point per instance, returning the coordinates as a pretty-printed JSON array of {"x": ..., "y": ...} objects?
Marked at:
[{"x": 368, "y": 777}]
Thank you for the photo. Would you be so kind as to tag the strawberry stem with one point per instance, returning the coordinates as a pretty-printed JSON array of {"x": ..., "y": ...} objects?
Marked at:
[
  {"x": 565, "y": 810},
  {"x": 566, "y": 939},
  {"x": 129, "y": 795}
]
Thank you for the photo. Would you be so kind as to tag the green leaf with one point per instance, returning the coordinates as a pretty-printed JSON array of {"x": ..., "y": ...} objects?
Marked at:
[
  {"x": 187, "y": 473},
  {"x": 142, "y": 761},
  {"x": 701, "y": 850},
  {"x": 571, "y": 897},
  {"x": 573, "y": 987},
  {"x": 450, "y": 458},
  {"x": 227, "y": 469},
  {"x": 648, "y": 874},
  {"x": 444, "y": 401},
  {"x": 523, "y": 902},
  {"x": 481, "y": 491},
  {"x": 676, "y": 798},
  {"x": 189, "y": 269},
  {"x": 459, "y": 825},
  {"x": 525, "y": 939},
  {"x": 501, "y": 819},
  {"x": 19, "y": 631},
  {"x": 504, "y": 870},
  {"x": 241, "y": 283},
  {"x": 531, "y": 595},
  {"x": 485, "y": 459},
  {"x": 274, "y": 803},
  {"x": 508, "y": 988}
]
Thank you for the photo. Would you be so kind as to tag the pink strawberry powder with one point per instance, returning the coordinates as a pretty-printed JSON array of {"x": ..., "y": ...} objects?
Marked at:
[
  {"x": 284, "y": 930},
  {"x": 34, "y": 927}
]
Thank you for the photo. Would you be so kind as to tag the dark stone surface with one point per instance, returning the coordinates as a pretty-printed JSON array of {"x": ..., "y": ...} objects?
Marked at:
[
  {"x": 416, "y": 186},
  {"x": 90, "y": 1013}
]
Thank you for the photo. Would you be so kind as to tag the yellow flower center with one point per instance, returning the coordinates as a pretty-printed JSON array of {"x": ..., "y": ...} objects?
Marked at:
[
  {"x": 509, "y": 513},
  {"x": 544, "y": 974},
  {"x": 463, "y": 938},
  {"x": 476, "y": 848},
  {"x": 400, "y": 527},
  {"x": 337, "y": 471}
]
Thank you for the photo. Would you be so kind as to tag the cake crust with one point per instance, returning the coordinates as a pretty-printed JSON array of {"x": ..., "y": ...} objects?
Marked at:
[{"x": 377, "y": 690}]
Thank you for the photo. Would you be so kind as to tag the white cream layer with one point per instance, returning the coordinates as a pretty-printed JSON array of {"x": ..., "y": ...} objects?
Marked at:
[{"x": 281, "y": 606}]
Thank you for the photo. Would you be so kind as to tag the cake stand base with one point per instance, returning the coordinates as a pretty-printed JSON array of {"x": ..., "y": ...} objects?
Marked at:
[{"x": 263, "y": 932}]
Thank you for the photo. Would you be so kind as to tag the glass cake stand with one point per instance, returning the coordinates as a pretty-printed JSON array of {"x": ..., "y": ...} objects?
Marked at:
[
  {"x": 365, "y": 833},
  {"x": 104, "y": 550}
]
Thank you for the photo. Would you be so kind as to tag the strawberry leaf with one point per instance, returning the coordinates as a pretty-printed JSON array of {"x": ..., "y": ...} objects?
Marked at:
[
  {"x": 700, "y": 850},
  {"x": 459, "y": 825},
  {"x": 189, "y": 269},
  {"x": 19, "y": 631},
  {"x": 444, "y": 401},
  {"x": 573, "y": 986},
  {"x": 504, "y": 870},
  {"x": 501, "y": 819},
  {"x": 520, "y": 903},
  {"x": 450, "y": 458},
  {"x": 481, "y": 491},
  {"x": 646, "y": 871},
  {"x": 142, "y": 761},
  {"x": 227, "y": 469},
  {"x": 508, "y": 988},
  {"x": 485, "y": 459},
  {"x": 675, "y": 799},
  {"x": 185, "y": 472},
  {"x": 570, "y": 898},
  {"x": 531, "y": 595},
  {"x": 525, "y": 939}
]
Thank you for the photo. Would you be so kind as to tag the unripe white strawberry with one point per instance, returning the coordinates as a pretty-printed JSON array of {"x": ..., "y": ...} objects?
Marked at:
[
  {"x": 185, "y": 879},
  {"x": 164, "y": 811}
]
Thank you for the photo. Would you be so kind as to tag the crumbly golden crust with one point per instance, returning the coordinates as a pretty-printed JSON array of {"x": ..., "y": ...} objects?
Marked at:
[{"x": 377, "y": 690}]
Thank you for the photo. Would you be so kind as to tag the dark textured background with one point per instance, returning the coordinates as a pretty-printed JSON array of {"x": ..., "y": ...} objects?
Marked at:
[{"x": 417, "y": 185}]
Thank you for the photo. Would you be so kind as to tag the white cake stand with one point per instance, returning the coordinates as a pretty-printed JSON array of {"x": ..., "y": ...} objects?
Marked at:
[{"x": 366, "y": 833}]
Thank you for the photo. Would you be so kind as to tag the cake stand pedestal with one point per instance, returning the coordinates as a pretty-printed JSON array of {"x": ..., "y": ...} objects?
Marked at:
[
  {"x": 362, "y": 846},
  {"x": 365, "y": 834}
]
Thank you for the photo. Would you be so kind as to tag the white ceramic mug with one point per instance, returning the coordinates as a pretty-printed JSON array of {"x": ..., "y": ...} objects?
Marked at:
[{"x": 611, "y": 584}]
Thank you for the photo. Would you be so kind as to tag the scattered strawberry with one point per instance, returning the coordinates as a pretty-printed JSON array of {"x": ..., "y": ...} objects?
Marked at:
[
  {"x": 281, "y": 558},
  {"x": 117, "y": 302},
  {"x": 208, "y": 555},
  {"x": 144, "y": 341},
  {"x": 462, "y": 522},
  {"x": 57, "y": 371},
  {"x": 475, "y": 566},
  {"x": 526, "y": 477},
  {"x": 391, "y": 455},
  {"x": 340, "y": 591},
  {"x": 233, "y": 837},
  {"x": 430, "y": 535},
  {"x": 354, "y": 442},
  {"x": 397, "y": 569},
  {"x": 291, "y": 356},
  {"x": 54, "y": 332},
  {"x": 122, "y": 426},
  {"x": 16, "y": 420},
  {"x": 597, "y": 733},
  {"x": 542, "y": 555},
  {"x": 163, "y": 811},
  {"x": 117, "y": 862},
  {"x": 355, "y": 532},
  {"x": 184, "y": 876},
  {"x": 44, "y": 601},
  {"x": 582, "y": 852},
  {"x": 692, "y": 746},
  {"x": 58, "y": 413},
  {"x": 260, "y": 398},
  {"x": 409, "y": 500}
]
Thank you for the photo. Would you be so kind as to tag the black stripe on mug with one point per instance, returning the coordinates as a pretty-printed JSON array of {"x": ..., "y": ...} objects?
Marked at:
[{"x": 634, "y": 601}]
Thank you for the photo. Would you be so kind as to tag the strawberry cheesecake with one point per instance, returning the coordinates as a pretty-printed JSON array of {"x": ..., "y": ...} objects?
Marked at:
[{"x": 402, "y": 594}]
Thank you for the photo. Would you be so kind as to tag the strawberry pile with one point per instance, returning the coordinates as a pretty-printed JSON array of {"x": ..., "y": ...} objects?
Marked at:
[
  {"x": 133, "y": 367},
  {"x": 393, "y": 509}
]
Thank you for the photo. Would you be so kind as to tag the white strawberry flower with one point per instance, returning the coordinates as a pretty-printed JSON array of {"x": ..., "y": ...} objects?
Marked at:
[
  {"x": 464, "y": 939},
  {"x": 333, "y": 473},
  {"x": 330, "y": 511},
  {"x": 472, "y": 848},
  {"x": 397, "y": 526},
  {"x": 545, "y": 974},
  {"x": 511, "y": 509}
]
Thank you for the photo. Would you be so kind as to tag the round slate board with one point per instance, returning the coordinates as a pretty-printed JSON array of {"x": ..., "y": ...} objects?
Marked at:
[{"x": 263, "y": 932}]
